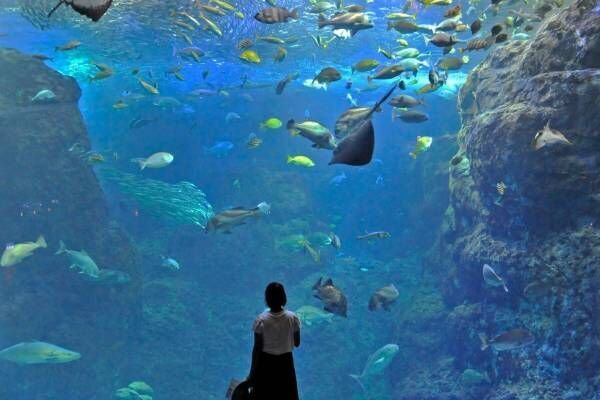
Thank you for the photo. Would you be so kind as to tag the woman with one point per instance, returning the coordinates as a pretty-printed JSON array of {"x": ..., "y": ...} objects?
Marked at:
[{"x": 276, "y": 332}]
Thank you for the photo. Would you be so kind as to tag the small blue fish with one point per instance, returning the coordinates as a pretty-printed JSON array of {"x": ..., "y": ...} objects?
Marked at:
[
  {"x": 379, "y": 180},
  {"x": 338, "y": 179},
  {"x": 231, "y": 116},
  {"x": 219, "y": 149}
]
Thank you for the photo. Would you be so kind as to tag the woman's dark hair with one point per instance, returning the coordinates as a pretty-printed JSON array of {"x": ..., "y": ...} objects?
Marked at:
[{"x": 275, "y": 295}]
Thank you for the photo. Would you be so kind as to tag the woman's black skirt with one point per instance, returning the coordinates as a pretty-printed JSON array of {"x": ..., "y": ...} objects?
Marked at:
[{"x": 275, "y": 378}]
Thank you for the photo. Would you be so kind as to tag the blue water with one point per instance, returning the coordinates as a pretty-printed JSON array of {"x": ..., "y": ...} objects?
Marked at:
[{"x": 188, "y": 332}]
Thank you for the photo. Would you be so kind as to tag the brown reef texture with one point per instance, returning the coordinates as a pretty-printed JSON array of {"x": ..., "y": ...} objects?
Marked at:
[
  {"x": 48, "y": 190},
  {"x": 544, "y": 228}
]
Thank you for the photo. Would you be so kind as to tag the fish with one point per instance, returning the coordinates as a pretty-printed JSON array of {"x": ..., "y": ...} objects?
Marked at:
[
  {"x": 409, "y": 52},
  {"x": 253, "y": 141},
  {"x": 211, "y": 25},
  {"x": 211, "y": 9},
  {"x": 321, "y": 137},
  {"x": 281, "y": 85},
  {"x": 169, "y": 263},
  {"x": 356, "y": 148},
  {"x": 548, "y": 137},
  {"x": 410, "y": 116},
  {"x": 388, "y": 72},
  {"x": 314, "y": 254},
  {"x": 365, "y": 65},
  {"x": 93, "y": 9},
  {"x": 501, "y": 188},
  {"x": 374, "y": 235},
  {"x": 152, "y": 89},
  {"x": 349, "y": 120},
  {"x": 185, "y": 25},
  {"x": 496, "y": 29},
  {"x": 338, "y": 179},
  {"x": 71, "y": 45},
  {"x": 250, "y": 56},
  {"x": 501, "y": 37},
  {"x": 441, "y": 39},
  {"x": 275, "y": 15},
  {"x": 402, "y": 42},
  {"x": 244, "y": 44},
  {"x": 271, "y": 123},
  {"x": 510, "y": 340},
  {"x": 333, "y": 299},
  {"x": 476, "y": 26},
  {"x": 140, "y": 122},
  {"x": 386, "y": 53},
  {"x": 44, "y": 96},
  {"x": 406, "y": 27},
  {"x": 302, "y": 161},
  {"x": 377, "y": 364},
  {"x": 230, "y": 218},
  {"x": 538, "y": 289},
  {"x": 280, "y": 54},
  {"x": 447, "y": 25},
  {"x": 219, "y": 149},
  {"x": 232, "y": 116},
  {"x": 452, "y": 63},
  {"x": 156, "y": 160},
  {"x": 15, "y": 253},
  {"x": 108, "y": 277},
  {"x": 320, "y": 6},
  {"x": 310, "y": 315},
  {"x": 270, "y": 39},
  {"x": 405, "y": 101},
  {"x": 453, "y": 12},
  {"x": 119, "y": 105},
  {"x": 80, "y": 260},
  {"x": 28, "y": 353},
  {"x": 353, "y": 22},
  {"x": 191, "y": 52},
  {"x": 327, "y": 75},
  {"x": 104, "y": 71},
  {"x": 400, "y": 15},
  {"x": 383, "y": 298},
  {"x": 422, "y": 144},
  {"x": 491, "y": 278},
  {"x": 333, "y": 239},
  {"x": 478, "y": 44}
]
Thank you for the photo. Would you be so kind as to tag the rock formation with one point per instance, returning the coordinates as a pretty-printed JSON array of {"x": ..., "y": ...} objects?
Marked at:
[{"x": 49, "y": 188}]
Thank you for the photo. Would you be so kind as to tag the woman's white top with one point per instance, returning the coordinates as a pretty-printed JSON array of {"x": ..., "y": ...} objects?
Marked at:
[{"x": 277, "y": 330}]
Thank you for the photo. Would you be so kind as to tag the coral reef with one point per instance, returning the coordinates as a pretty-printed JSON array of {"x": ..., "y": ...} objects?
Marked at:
[{"x": 48, "y": 190}]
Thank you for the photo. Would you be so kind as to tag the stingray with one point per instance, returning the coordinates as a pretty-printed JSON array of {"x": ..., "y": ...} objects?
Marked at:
[
  {"x": 357, "y": 148},
  {"x": 93, "y": 9}
]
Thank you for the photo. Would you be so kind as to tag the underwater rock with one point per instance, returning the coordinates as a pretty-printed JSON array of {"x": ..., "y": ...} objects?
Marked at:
[
  {"x": 532, "y": 213},
  {"x": 48, "y": 190}
]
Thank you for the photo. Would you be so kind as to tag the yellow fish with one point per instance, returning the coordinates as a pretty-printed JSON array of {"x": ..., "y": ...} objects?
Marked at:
[
  {"x": 271, "y": 123},
  {"x": 14, "y": 254},
  {"x": 250, "y": 56},
  {"x": 422, "y": 144},
  {"x": 224, "y": 5},
  {"x": 211, "y": 25},
  {"x": 302, "y": 161},
  {"x": 149, "y": 88}
]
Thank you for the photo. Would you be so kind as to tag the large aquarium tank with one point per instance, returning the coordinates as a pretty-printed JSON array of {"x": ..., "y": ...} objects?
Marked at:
[{"x": 421, "y": 175}]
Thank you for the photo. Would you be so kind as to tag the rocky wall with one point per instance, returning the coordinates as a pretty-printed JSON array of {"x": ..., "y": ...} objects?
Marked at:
[
  {"x": 49, "y": 188},
  {"x": 541, "y": 230}
]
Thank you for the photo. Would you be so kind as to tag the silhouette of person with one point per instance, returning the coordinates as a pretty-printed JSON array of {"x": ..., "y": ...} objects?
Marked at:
[{"x": 276, "y": 332}]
